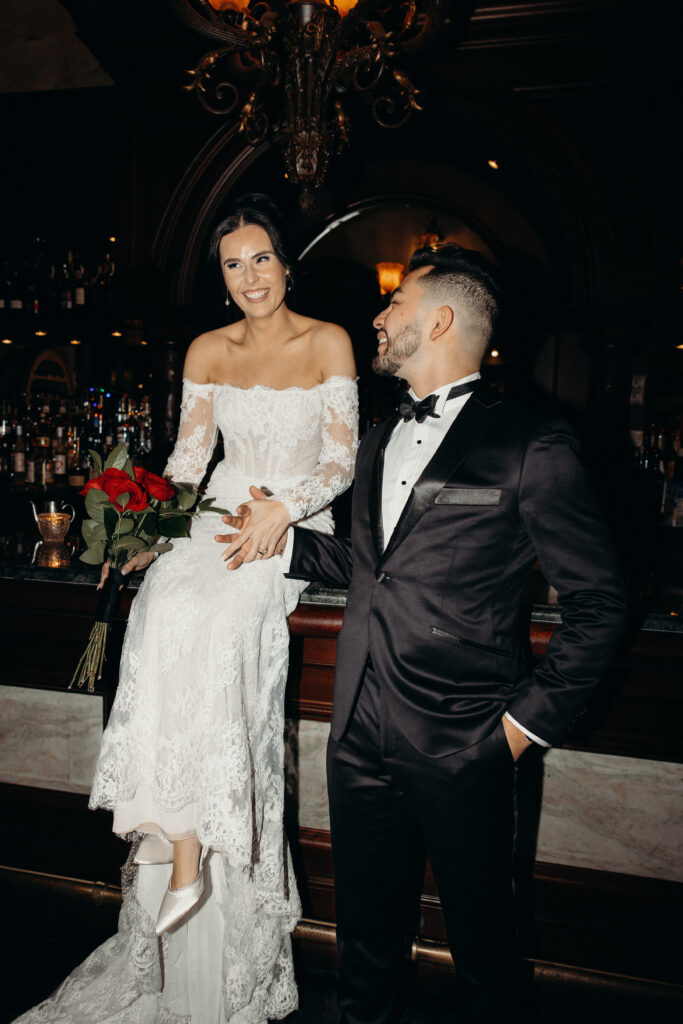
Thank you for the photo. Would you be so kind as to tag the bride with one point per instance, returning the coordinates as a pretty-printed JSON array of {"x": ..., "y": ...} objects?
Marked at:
[{"x": 192, "y": 758}]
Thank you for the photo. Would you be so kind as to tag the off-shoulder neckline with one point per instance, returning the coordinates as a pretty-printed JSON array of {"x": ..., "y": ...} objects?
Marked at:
[{"x": 265, "y": 387}]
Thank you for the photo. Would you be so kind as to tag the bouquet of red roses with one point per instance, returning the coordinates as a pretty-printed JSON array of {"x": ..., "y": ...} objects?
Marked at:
[{"x": 129, "y": 509}]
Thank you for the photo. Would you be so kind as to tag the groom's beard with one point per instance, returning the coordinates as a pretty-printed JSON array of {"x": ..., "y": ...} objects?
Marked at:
[{"x": 399, "y": 348}]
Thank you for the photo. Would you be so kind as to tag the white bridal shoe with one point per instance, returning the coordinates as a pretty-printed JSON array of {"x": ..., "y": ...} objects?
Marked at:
[
  {"x": 154, "y": 849},
  {"x": 179, "y": 902}
]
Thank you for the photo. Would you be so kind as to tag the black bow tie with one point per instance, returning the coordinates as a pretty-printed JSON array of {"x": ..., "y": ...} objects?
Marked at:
[{"x": 410, "y": 408}]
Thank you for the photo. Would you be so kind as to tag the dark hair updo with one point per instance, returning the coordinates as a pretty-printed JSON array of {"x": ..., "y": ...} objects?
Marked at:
[{"x": 255, "y": 208}]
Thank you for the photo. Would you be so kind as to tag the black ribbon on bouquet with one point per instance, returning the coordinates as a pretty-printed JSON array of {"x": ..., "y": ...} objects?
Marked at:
[{"x": 110, "y": 596}]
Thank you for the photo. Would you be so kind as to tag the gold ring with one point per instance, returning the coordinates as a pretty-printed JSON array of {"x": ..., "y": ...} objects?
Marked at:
[{"x": 262, "y": 552}]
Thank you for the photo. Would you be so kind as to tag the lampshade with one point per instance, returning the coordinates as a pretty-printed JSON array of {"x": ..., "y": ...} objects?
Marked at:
[
  {"x": 389, "y": 276},
  {"x": 344, "y": 6},
  {"x": 223, "y": 5}
]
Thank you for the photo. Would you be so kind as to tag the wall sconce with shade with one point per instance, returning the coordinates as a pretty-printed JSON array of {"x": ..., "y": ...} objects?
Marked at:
[
  {"x": 300, "y": 57},
  {"x": 389, "y": 276}
]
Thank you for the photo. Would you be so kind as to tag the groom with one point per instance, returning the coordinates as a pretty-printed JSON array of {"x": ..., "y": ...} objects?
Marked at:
[{"x": 435, "y": 699}]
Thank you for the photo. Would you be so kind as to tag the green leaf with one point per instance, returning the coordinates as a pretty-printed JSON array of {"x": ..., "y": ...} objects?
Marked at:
[
  {"x": 207, "y": 505},
  {"x": 123, "y": 499},
  {"x": 130, "y": 544},
  {"x": 117, "y": 458},
  {"x": 161, "y": 547},
  {"x": 148, "y": 524},
  {"x": 186, "y": 500},
  {"x": 95, "y": 554},
  {"x": 128, "y": 468},
  {"x": 94, "y": 506},
  {"x": 126, "y": 524},
  {"x": 93, "y": 531},
  {"x": 111, "y": 519},
  {"x": 174, "y": 526},
  {"x": 98, "y": 495},
  {"x": 97, "y": 459}
]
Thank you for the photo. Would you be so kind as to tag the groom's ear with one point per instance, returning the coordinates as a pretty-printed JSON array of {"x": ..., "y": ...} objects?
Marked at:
[{"x": 441, "y": 320}]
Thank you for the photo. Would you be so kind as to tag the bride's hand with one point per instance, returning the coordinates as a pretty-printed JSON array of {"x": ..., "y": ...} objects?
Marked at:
[
  {"x": 262, "y": 523},
  {"x": 139, "y": 561}
]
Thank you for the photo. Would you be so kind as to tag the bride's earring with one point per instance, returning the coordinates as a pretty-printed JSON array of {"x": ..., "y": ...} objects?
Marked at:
[{"x": 227, "y": 298}]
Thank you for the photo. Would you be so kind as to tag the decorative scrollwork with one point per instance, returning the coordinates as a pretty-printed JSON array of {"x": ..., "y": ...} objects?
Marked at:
[
  {"x": 253, "y": 120},
  {"x": 393, "y": 111},
  {"x": 309, "y": 54},
  {"x": 224, "y": 93}
]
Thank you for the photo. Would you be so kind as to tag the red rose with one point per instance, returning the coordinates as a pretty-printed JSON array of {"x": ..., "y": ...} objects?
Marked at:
[
  {"x": 155, "y": 485},
  {"x": 138, "y": 499},
  {"x": 96, "y": 483},
  {"x": 114, "y": 482}
]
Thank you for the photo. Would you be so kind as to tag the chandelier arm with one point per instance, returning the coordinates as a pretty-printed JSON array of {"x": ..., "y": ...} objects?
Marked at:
[
  {"x": 214, "y": 29},
  {"x": 390, "y": 105},
  {"x": 435, "y": 13},
  {"x": 219, "y": 91},
  {"x": 357, "y": 18},
  {"x": 358, "y": 55}
]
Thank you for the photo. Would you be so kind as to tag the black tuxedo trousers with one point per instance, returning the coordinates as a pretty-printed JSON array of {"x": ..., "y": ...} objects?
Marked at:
[
  {"x": 438, "y": 607},
  {"x": 382, "y": 792}
]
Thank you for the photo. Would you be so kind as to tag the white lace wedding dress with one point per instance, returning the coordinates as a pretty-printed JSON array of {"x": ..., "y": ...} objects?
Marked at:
[{"x": 195, "y": 738}]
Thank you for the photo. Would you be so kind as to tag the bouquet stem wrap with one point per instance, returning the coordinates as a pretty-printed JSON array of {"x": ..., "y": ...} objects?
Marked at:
[
  {"x": 109, "y": 600},
  {"x": 91, "y": 665}
]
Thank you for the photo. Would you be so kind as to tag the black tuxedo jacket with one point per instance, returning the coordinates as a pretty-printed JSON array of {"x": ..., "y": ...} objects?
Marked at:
[{"x": 439, "y": 607}]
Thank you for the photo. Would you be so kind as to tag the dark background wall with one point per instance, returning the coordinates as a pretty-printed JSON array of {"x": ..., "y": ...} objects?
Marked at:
[{"x": 574, "y": 99}]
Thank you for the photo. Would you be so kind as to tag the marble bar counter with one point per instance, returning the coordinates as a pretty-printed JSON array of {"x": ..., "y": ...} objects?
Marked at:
[{"x": 600, "y": 816}]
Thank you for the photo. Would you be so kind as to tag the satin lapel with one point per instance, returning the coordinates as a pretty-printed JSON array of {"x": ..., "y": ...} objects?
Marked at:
[
  {"x": 471, "y": 425},
  {"x": 375, "y": 497}
]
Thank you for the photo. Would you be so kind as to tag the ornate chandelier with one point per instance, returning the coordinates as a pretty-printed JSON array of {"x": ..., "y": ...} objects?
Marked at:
[{"x": 295, "y": 60}]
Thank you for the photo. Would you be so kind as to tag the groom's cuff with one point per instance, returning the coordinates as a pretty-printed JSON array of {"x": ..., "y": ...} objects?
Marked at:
[
  {"x": 530, "y": 735},
  {"x": 286, "y": 556}
]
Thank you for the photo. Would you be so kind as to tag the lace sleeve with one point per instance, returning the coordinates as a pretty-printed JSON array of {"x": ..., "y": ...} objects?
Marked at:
[
  {"x": 334, "y": 471},
  {"x": 196, "y": 435}
]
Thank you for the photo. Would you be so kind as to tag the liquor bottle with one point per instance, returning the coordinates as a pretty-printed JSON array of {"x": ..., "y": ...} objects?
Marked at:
[
  {"x": 19, "y": 457},
  {"x": 5, "y": 452},
  {"x": 30, "y": 464},
  {"x": 59, "y": 458},
  {"x": 44, "y": 463},
  {"x": 81, "y": 288},
  {"x": 105, "y": 284},
  {"x": 51, "y": 299},
  {"x": 66, "y": 284},
  {"x": 16, "y": 291},
  {"x": 651, "y": 481},
  {"x": 35, "y": 283},
  {"x": 45, "y": 417},
  {"x": 78, "y": 469}
]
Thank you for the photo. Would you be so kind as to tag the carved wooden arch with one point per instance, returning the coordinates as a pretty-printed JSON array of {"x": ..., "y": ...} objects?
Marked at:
[
  {"x": 218, "y": 166},
  {"x": 573, "y": 186}
]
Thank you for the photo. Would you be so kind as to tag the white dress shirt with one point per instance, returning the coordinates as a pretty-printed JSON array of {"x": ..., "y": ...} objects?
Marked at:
[
  {"x": 409, "y": 449},
  {"x": 411, "y": 446}
]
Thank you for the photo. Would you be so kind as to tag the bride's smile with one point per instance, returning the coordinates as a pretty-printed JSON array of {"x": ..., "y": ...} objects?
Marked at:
[{"x": 255, "y": 278}]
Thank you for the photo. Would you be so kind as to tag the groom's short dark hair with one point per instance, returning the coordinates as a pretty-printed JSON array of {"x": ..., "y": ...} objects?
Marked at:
[{"x": 465, "y": 280}]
